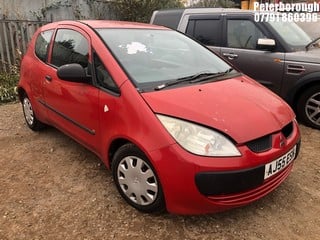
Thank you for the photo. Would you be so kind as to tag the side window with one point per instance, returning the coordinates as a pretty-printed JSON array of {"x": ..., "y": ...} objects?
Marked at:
[
  {"x": 70, "y": 47},
  {"x": 42, "y": 44},
  {"x": 102, "y": 75},
  {"x": 243, "y": 34},
  {"x": 207, "y": 31}
]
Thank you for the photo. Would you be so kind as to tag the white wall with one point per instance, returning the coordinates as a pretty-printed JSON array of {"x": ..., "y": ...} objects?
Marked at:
[{"x": 53, "y": 10}]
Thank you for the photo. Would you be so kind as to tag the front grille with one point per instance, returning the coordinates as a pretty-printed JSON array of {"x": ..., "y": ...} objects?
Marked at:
[
  {"x": 287, "y": 130},
  {"x": 265, "y": 143},
  {"x": 260, "y": 144}
]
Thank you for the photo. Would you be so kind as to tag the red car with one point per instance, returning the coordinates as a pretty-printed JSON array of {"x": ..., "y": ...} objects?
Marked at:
[{"x": 179, "y": 128}]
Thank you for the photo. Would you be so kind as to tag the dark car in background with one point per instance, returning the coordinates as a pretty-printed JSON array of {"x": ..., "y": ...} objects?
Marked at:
[{"x": 278, "y": 54}]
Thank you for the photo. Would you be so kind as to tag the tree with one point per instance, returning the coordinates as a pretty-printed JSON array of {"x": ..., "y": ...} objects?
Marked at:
[
  {"x": 141, "y": 10},
  {"x": 216, "y": 3}
]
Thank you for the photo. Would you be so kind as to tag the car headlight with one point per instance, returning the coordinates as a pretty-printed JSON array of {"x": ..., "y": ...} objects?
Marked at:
[{"x": 198, "y": 139}]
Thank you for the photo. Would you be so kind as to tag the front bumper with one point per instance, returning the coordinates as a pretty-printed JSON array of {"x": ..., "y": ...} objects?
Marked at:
[
  {"x": 232, "y": 182},
  {"x": 197, "y": 185}
]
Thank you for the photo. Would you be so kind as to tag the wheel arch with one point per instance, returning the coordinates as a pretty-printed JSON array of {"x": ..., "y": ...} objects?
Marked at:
[
  {"x": 21, "y": 92},
  {"x": 302, "y": 85},
  {"x": 121, "y": 141},
  {"x": 113, "y": 147}
]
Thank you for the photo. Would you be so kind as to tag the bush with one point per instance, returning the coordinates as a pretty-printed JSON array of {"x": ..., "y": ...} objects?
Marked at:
[
  {"x": 141, "y": 10},
  {"x": 8, "y": 83}
]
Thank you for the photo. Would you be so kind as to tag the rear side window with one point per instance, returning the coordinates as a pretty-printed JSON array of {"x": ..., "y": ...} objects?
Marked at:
[
  {"x": 70, "y": 47},
  {"x": 206, "y": 31},
  {"x": 168, "y": 18},
  {"x": 42, "y": 44}
]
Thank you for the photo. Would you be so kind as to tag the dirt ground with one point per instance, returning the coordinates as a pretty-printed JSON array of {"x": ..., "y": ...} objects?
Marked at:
[{"x": 53, "y": 188}]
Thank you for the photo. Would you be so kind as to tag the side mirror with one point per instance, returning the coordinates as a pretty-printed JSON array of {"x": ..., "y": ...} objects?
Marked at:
[
  {"x": 73, "y": 72},
  {"x": 266, "y": 43}
]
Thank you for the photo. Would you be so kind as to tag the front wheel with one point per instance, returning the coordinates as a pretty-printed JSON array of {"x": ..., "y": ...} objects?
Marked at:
[
  {"x": 136, "y": 179},
  {"x": 308, "y": 107}
]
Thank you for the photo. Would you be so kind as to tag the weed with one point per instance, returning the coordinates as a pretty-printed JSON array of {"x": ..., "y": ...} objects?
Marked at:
[{"x": 8, "y": 83}]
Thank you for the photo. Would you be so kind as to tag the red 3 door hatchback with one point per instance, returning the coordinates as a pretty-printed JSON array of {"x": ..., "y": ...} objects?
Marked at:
[{"x": 179, "y": 128}]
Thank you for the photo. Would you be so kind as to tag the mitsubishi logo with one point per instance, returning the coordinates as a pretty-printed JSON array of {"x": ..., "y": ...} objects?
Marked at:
[{"x": 282, "y": 141}]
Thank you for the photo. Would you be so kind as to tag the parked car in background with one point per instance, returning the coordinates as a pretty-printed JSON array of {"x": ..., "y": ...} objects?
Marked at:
[
  {"x": 178, "y": 127},
  {"x": 279, "y": 55}
]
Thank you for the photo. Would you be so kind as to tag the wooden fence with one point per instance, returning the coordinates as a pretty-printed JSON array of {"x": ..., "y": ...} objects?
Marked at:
[{"x": 14, "y": 38}]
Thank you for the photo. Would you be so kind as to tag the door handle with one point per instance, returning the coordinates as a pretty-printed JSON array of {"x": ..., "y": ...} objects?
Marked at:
[
  {"x": 230, "y": 56},
  {"x": 48, "y": 78}
]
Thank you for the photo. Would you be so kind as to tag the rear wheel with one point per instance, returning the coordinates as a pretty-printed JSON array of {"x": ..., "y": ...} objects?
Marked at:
[
  {"x": 136, "y": 179},
  {"x": 29, "y": 115},
  {"x": 308, "y": 107}
]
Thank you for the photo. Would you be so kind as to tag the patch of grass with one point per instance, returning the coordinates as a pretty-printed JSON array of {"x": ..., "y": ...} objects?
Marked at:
[{"x": 8, "y": 83}]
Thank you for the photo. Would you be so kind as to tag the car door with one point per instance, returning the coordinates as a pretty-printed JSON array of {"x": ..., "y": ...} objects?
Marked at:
[
  {"x": 240, "y": 38},
  {"x": 72, "y": 106}
]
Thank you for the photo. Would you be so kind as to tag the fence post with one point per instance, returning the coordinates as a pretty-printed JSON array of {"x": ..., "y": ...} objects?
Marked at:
[
  {"x": 2, "y": 50},
  {"x": 15, "y": 34}
]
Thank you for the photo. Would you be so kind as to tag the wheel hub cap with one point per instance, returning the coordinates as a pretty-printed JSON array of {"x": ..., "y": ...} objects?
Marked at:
[
  {"x": 137, "y": 180},
  {"x": 313, "y": 108},
  {"x": 28, "y": 111}
]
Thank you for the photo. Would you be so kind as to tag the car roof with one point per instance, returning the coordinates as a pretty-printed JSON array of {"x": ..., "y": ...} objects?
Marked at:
[
  {"x": 217, "y": 10},
  {"x": 103, "y": 24},
  {"x": 118, "y": 24},
  {"x": 204, "y": 10}
]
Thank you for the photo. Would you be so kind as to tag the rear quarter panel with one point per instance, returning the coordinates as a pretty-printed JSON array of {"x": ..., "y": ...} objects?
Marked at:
[{"x": 30, "y": 79}]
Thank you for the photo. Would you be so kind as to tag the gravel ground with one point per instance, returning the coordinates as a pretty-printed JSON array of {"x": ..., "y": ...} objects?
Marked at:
[{"x": 53, "y": 188}]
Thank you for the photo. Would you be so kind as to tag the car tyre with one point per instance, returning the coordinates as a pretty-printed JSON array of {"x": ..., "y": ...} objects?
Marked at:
[
  {"x": 136, "y": 179},
  {"x": 308, "y": 107},
  {"x": 29, "y": 115}
]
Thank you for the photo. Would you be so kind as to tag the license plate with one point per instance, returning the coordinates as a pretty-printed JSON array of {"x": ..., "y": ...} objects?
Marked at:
[{"x": 279, "y": 164}]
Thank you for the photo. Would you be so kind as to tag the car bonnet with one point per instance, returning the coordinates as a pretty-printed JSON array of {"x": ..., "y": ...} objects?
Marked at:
[
  {"x": 300, "y": 57},
  {"x": 238, "y": 107}
]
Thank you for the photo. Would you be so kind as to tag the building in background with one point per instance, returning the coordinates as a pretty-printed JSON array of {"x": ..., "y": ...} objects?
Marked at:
[{"x": 54, "y": 10}]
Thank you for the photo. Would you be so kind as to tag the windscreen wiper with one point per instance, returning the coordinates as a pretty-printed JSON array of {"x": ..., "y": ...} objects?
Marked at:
[
  {"x": 199, "y": 77},
  {"x": 214, "y": 75},
  {"x": 311, "y": 43}
]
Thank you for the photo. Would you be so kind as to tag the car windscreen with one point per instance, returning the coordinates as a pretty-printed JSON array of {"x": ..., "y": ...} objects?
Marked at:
[
  {"x": 291, "y": 33},
  {"x": 153, "y": 57}
]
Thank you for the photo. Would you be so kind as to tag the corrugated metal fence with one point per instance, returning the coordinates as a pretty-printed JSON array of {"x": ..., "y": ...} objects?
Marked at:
[{"x": 14, "y": 38}]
